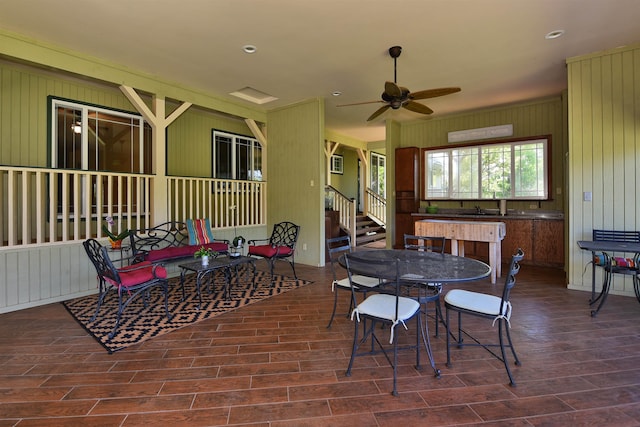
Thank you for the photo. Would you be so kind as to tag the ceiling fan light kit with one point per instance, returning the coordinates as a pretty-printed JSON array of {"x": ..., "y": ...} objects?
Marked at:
[{"x": 396, "y": 97}]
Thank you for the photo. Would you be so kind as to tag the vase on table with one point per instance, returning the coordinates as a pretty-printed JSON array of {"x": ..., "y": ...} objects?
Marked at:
[
  {"x": 115, "y": 244},
  {"x": 205, "y": 260}
]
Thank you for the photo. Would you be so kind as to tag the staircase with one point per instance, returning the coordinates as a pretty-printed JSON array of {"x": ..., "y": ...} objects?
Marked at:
[{"x": 368, "y": 231}]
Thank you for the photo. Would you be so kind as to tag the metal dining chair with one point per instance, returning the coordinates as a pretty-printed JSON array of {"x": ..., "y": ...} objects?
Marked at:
[
  {"x": 496, "y": 308},
  {"x": 427, "y": 292},
  {"x": 337, "y": 247},
  {"x": 391, "y": 309}
]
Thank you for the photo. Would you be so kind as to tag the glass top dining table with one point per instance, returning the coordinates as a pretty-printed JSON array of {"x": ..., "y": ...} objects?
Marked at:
[{"x": 419, "y": 266}]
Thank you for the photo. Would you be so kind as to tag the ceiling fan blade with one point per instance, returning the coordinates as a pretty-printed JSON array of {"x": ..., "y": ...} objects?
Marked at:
[
  {"x": 417, "y": 108},
  {"x": 392, "y": 89},
  {"x": 359, "y": 103},
  {"x": 378, "y": 112},
  {"x": 433, "y": 93}
]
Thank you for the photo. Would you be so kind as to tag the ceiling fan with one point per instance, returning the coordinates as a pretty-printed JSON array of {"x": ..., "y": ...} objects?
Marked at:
[{"x": 395, "y": 96}]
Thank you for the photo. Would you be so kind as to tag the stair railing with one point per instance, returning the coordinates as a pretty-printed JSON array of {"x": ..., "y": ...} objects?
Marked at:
[
  {"x": 376, "y": 207},
  {"x": 334, "y": 200}
]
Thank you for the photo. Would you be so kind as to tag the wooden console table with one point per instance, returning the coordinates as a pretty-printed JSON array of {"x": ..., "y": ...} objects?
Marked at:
[{"x": 460, "y": 231}]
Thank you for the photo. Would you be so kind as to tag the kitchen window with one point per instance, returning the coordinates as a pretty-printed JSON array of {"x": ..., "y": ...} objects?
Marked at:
[{"x": 514, "y": 169}]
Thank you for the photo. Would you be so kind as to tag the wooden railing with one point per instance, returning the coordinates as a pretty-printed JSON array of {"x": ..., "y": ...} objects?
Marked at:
[
  {"x": 347, "y": 210},
  {"x": 376, "y": 207},
  {"x": 47, "y": 206}
]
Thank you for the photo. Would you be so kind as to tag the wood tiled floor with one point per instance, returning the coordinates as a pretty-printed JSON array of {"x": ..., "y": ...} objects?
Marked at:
[{"x": 275, "y": 363}]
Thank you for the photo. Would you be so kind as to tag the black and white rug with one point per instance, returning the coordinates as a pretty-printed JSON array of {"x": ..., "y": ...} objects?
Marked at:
[{"x": 139, "y": 323}]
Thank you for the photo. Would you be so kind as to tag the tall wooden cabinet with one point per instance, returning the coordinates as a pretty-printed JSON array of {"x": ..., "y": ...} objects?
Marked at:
[{"x": 407, "y": 191}]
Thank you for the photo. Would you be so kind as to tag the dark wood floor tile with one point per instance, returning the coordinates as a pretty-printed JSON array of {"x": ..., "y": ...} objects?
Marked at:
[
  {"x": 86, "y": 379},
  {"x": 203, "y": 385},
  {"x": 612, "y": 379},
  {"x": 268, "y": 348},
  {"x": 327, "y": 391},
  {"x": 360, "y": 420},
  {"x": 241, "y": 397},
  {"x": 603, "y": 397},
  {"x": 632, "y": 410},
  {"x": 105, "y": 391},
  {"x": 549, "y": 386},
  {"x": 462, "y": 395},
  {"x": 293, "y": 379},
  {"x": 120, "y": 356},
  {"x": 258, "y": 369},
  {"x": 143, "y": 404},
  {"x": 280, "y": 411},
  {"x": 245, "y": 340},
  {"x": 52, "y": 408},
  {"x": 35, "y": 394},
  {"x": 204, "y": 351},
  {"x": 447, "y": 416},
  {"x": 381, "y": 403},
  {"x": 175, "y": 374},
  {"x": 141, "y": 365},
  {"x": 96, "y": 421},
  {"x": 519, "y": 408},
  {"x": 594, "y": 417},
  {"x": 240, "y": 359},
  {"x": 190, "y": 418},
  {"x": 307, "y": 355}
]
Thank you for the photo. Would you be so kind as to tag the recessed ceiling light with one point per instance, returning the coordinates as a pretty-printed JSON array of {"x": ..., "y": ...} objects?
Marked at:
[
  {"x": 336, "y": 93},
  {"x": 249, "y": 48},
  {"x": 554, "y": 34}
]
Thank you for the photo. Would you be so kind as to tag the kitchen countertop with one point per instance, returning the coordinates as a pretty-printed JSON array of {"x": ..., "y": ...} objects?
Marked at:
[{"x": 490, "y": 215}]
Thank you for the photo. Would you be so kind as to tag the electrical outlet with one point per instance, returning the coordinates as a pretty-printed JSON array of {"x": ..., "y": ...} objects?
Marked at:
[
  {"x": 304, "y": 246},
  {"x": 533, "y": 206}
]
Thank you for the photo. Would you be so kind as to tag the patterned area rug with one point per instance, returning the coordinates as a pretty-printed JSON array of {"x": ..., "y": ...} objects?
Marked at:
[{"x": 140, "y": 323}]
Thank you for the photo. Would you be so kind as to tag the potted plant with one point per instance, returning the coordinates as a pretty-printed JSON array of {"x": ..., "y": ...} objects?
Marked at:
[
  {"x": 115, "y": 239},
  {"x": 205, "y": 254},
  {"x": 236, "y": 249}
]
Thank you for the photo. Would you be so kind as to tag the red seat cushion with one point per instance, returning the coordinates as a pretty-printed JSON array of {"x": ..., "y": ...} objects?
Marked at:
[
  {"x": 136, "y": 274},
  {"x": 171, "y": 252},
  {"x": 269, "y": 251}
]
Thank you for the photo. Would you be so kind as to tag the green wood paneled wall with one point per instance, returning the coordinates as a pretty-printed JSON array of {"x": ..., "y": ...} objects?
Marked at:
[
  {"x": 604, "y": 153},
  {"x": 23, "y": 110},
  {"x": 189, "y": 143},
  {"x": 296, "y": 168}
]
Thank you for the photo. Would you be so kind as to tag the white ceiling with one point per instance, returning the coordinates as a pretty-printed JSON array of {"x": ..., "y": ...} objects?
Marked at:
[{"x": 494, "y": 50}]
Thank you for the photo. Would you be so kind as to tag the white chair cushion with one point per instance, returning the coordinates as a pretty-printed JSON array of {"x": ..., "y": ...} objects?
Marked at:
[
  {"x": 361, "y": 281},
  {"x": 383, "y": 306},
  {"x": 475, "y": 301}
]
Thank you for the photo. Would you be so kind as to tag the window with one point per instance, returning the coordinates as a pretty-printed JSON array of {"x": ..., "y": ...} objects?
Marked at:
[
  {"x": 94, "y": 138},
  {"x": 236, "y": 157},
  {"x": 516, "y": 169},
  {"x": 337, "y": 164},
  {"x": 89, "y": 137},
  {"x": 378, "y": 176}
]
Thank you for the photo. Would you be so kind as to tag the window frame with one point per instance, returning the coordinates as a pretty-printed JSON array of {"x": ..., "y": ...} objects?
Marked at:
[
  {"x": 512, "y": 142},
  {"x": 380, "y": 178},
  {"x": 336, "y": 164},
  {"x": 55, "y": 102},
  {"x": 235, "y": 144},
  {"x": 91, "y": 112}
]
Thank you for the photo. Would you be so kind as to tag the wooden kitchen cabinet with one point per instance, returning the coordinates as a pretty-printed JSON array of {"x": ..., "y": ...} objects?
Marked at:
[
  {"x": 519, "y": 235},
  {"x": 407, "y": 194},
  {"x": 548, "y": 245},
  {"x": 542, "y": 240}
]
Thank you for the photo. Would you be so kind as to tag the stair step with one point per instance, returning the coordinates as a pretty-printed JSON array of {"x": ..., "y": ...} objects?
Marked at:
[{"x": 368, "y": 239}]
